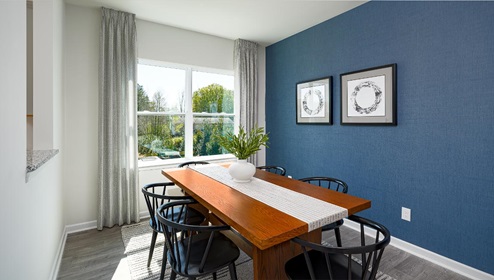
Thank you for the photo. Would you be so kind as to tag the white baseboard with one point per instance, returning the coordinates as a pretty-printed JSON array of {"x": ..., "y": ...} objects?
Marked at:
[
  {"x": 144, "y": 214},
  {"x": 66, "y": 231},
  {"x": 58, "y": 257},
  {"x": 92, "y": 224},
  {"x": 80, "y": 227},
  {"x": 435, "y": 258}
]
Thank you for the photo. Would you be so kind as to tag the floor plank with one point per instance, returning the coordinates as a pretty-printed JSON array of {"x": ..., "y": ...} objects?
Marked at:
[{"x": 92, "y": 254}]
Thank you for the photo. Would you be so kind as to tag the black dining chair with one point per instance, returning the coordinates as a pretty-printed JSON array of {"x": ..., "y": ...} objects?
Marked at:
[
  {"x": 195, "y": 250},
  {"x": 273, "y": 169},
  {"x": 332, "y": 184},
  {"x": 359, "y": 259},
  {"x": 188, "y": 163},
  {"x": 155, "y": 195},
  {"x": 192, "y": 163}
]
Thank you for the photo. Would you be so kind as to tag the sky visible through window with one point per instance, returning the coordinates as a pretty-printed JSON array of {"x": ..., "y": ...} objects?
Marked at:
[{"x": 171, "y": 81}]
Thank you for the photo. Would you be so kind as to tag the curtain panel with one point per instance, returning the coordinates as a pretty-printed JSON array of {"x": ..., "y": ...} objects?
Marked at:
[
  {"x": 245, "y": 71},
  {"x": 117, "y": 148}
]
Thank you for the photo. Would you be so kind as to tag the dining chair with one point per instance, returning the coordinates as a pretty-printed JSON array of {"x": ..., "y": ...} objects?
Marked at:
[
  {"x": 273, "y": 169},
  {"x": 332, "y": 184},
  {"x": 192, "y": 163},
  {"x": 359, "y": 259},
  {"x": 155, "y": 195},
  {"x": 195, "y": 250},
  {"x": 188, "y": 163}
]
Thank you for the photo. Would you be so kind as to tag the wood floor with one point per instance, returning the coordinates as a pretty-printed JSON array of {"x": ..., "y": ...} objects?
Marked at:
[{"x": 100, "y": 255}]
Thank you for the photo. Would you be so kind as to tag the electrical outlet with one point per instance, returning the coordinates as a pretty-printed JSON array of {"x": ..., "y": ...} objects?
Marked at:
[{"x": 406, "y": 214}]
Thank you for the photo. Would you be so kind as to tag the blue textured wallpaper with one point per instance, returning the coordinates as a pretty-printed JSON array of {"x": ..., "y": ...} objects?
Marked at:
[{"x": 438, "y": 161}]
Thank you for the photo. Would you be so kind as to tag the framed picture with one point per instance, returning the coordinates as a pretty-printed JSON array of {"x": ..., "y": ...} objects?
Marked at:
[
  {"x": 314, "y": 101},
  {"x": 368, "y": 97}
]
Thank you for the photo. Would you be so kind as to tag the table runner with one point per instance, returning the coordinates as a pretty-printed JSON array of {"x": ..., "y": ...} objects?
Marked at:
[{"x": 315, "y": 212}]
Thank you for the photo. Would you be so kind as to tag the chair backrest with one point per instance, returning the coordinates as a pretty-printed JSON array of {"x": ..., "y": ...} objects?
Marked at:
[
  {"x": 188, "y": 245},
  {"x": 358, "y": 259},
  {"x": 328, "y": 183},
  {"x": 192, "y": 163},
  {"x": 273, "y": 169},
  {"x": 155, "y": 196}
]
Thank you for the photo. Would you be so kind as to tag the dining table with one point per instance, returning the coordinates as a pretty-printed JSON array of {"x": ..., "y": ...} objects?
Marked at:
[{"x": 263, "y": 227}]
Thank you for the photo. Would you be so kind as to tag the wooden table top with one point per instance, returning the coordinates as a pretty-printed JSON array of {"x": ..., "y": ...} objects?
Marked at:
[{"x": 259, "y": 223}]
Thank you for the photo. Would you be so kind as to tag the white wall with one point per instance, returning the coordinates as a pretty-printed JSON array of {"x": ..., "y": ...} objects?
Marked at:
[
  {"x": 43, "y": 86},
  {"x": 29, "y": 76},
  {"x": 12, "y": 120},
  {"x": 165, "y": 43},
  {"x": 32, "y": 213},
  {"x": 156, "y": 42},
  {"x": 81, "y": 113}
]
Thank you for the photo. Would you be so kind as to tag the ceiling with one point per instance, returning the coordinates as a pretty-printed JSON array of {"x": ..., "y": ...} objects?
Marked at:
[{"x": 262, "y": 21}]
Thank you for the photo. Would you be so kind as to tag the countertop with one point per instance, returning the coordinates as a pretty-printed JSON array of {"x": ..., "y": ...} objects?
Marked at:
[{"x": 36, "y": 158}]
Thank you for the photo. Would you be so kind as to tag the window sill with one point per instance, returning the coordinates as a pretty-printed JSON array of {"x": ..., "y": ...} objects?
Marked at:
[
  {"x": 173, "y": 163},
  {"x": 36, "y": 158}
]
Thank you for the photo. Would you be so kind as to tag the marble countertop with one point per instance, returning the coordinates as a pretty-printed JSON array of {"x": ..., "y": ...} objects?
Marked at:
[{"x": 36, "y": 158}]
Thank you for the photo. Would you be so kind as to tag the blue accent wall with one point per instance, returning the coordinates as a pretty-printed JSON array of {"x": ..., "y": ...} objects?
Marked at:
[{"x": 438, "y": 161}]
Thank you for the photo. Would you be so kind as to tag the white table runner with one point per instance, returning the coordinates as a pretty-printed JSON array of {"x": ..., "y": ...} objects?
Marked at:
[{"x": 315, "y": 212}]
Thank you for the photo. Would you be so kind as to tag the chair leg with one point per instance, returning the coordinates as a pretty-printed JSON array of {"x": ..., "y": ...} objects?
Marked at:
[
  {"x": 338, "y": 236},
  {"x": 163, "y": 262},
  {"x": 173, "y": 275},
  {"x": 151, "y": 249},
  {"x": 215, "y": 276},
  {"x": 233, "y": 271}
]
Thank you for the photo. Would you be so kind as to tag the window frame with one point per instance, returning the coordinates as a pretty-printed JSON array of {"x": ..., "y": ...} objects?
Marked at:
[{"x": 189, "y": 115}]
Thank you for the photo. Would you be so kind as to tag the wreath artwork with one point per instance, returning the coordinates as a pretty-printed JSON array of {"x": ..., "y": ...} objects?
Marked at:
[
  {"x": 354, "y": 97},
  {"x": 314, "y": 101},
  {"x": 308, "y": 102},
  {"x": 368, "y": 96}
]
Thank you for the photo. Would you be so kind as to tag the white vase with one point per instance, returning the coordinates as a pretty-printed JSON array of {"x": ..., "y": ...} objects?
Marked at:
[{"x": 242, "y": 171}]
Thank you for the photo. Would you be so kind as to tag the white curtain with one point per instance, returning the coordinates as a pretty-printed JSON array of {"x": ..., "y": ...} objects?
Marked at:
[
  {"x": 117, "y": 160},
  {"x": 245, "y": 69}
]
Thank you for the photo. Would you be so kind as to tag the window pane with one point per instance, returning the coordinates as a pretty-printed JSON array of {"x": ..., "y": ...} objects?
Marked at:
[
  {"x": 160, "y": 89},
  {"x": 204, "y": 130},
  {"x": 166, "y": 101},
  {"x": 161, "y": 136},
  {"x": 212, "y": 93}
]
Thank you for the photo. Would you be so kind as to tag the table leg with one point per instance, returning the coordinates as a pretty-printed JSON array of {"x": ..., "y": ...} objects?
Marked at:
[{"x": 270, "y": 263}]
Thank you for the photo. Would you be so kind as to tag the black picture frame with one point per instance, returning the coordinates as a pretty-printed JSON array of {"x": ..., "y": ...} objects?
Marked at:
[
  {"x": 368, "y": 96},
  {"x": 314, "y": 101}
]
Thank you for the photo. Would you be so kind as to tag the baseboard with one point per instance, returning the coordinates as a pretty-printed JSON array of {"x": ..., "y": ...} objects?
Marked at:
[
  {"x": 435, "y": 258},
  {"x": 92, "y": 224},
  {"x": 66, "y": 231},
  {"x": 58, "y": 257},
  {"x": 80, "y": 227},
  {"x": 144, "y": 214}
]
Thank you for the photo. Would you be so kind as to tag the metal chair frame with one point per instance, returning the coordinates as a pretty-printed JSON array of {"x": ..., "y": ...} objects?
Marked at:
[
  {"x": 187, "y": 244},
  {"x": 192, "y": 163},
  {"x": 273, "y": 169},
  {"x": 327, "y": 182},
  {"x": 155, "y": 196},
  {"x": 332, "y": 184},
  {"x": 370, "y": 256}
]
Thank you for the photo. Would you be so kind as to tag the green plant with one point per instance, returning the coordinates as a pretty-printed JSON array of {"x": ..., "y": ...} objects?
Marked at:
[{"x": 244, "y": 145}]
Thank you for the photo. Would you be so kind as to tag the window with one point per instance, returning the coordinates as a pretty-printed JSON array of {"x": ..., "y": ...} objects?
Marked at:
[{"x": 181, "y": 109}]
